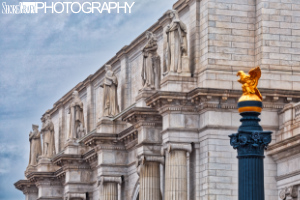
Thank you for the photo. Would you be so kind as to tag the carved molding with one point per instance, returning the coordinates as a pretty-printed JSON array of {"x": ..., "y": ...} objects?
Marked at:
[{"x": 202, "y": 98}]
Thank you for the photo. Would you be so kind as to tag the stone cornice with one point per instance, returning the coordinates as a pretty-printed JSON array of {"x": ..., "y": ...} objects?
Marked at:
[
  {"x": 26, "y": 186},
  {"x": 59, "y": 159},
  {"x": 201, "y": 98},
  {"x": 90, "y": 156},
  {"x": 285, "y": 148},
  {"x": 140, "y": 116},
  {"x": 34, "y": 176},
  {"x": 93, "y": 138}
]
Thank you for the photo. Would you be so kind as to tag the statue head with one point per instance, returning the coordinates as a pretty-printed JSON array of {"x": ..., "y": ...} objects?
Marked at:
[
  {"x": 35, "y": 127},
  {"x": 107, "y": 67},
  {"x": 240, "y": 73},
  {"x": 174, "y": 15},
  {"x": 47, "y": 117},
  {"x": 150, "y": 35},
  {"x": 75, "y": 94}
]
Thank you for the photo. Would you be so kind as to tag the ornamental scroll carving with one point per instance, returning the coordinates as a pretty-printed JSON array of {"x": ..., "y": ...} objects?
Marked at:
[
  {"x": 289, "y": 193},
  {"x": 183, "y": 147}
]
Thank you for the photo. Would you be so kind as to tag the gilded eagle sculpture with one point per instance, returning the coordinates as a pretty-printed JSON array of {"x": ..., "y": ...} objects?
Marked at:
[{"x": 249, "y": 85}]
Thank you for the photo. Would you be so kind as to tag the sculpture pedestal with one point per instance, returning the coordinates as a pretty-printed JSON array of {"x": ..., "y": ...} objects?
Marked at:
[
  {"x": 143, "y": 94},
  {"x": 178, "y": 82},
  {"x": 73, "y": 147},
  {"x": 45, "y": 165},
  {"x": 107, "y": 125},
  {"x": 250, "y": 142},
  {"x": 30, "y": 168}
]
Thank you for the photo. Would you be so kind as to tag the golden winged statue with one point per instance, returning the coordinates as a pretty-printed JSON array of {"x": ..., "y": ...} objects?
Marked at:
[{"x": 250, "y": 91}]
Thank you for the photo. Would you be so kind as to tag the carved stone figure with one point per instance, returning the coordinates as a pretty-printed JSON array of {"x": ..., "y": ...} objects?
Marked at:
[
  {"x": 76, "y": 117},
  {"x": 80, "y": 132},
  {"x": 35, "y": 145},
  {"x": 249, "y": 84},
  {"x": 151, "y": 63},
  {"x": 176, "y": 50},
  {"x": 110, "y": 97},
  {"x": 48, "y": 137}
]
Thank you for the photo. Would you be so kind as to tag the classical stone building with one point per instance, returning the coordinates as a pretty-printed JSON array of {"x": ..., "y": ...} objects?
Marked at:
[{"x": 153, "y": 123}]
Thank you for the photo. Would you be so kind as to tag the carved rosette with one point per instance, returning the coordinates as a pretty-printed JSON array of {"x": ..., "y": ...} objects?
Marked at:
[{"x": 250, "y": 143}]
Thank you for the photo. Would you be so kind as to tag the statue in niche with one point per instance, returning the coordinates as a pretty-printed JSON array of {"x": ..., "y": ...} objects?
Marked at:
[
  {"x": 176, "y": 58},
  {"x": 110, "y": 97},
  {"x": 35, "y": 145},
  {"x": 151, "y": 63},
  {"x": 76, "y": 125},
  {"x": 48, "y": 137}
]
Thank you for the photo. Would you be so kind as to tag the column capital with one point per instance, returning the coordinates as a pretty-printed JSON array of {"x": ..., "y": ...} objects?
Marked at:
[
  {"x": 175, "y": 146},
  {"x": 144, "y": 159},
  {"x": 290, "y": 192},
  {"x": 110, "y": 179}
]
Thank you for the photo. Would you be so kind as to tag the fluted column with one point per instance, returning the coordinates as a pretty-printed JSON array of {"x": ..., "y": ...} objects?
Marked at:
[
  {"x": 150, "y": 177},
  {"x": 176, "y": 172},
  {"x": 109, "y": 188}
]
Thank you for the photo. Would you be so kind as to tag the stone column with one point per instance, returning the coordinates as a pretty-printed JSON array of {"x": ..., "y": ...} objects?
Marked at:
[
  {"x": 176, "y": 172},
  {"x": 150, "y": 177},
  {"x": 109, "y": 188}
]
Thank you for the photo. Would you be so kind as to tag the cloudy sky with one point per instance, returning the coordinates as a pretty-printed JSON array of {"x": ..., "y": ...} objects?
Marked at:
[{"x": 42, "y": 56}]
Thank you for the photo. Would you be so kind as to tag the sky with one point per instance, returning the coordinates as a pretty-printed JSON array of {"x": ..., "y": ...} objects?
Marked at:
[{"x": 42, "y": 57}]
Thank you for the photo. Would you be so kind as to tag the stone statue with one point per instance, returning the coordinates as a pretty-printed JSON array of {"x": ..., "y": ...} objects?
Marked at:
[
  {"x": 176, "y": 50},
  {"x": 48, "y": 137},
  {"x": 80, "y": 132},
  {"x": 76, "y": 117},
  {"x": 110, "y": 97},
  {"x": 35, "y": 145},
  {"x": 250, "y": 91},
  {"x": 151, "y": 63}
]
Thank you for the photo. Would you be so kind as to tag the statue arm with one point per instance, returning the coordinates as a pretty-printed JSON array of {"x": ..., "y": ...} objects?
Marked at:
[
  {"x": 153, "y": 48},
  {"x": 30, "y": 136}
]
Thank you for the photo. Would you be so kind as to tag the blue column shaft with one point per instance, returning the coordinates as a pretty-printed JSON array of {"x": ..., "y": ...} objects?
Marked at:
[{"x": 251, "y": 178}]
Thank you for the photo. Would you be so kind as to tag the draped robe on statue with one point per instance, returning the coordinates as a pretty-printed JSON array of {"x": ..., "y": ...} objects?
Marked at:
[
  {"x": 35, "y": 147},
  {"x": 110, "y": 97},
  {"x": 176, "y": 44},
  {"x": 148, "y": 70},
  {"x": 76, "y": 116},
  {"x": 48, "y": 138}
]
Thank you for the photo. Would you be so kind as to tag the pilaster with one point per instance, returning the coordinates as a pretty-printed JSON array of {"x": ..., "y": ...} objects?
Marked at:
[
  {"x": 177, "y": 172},
  {"x": 110, "y": 188}
]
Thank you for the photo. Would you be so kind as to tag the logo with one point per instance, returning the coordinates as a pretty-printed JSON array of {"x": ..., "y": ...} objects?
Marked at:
[{"x": 66, "y": 7}]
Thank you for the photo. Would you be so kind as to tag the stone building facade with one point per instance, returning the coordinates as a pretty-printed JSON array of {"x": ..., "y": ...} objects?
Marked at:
[{"x": 154, "y": 122}]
